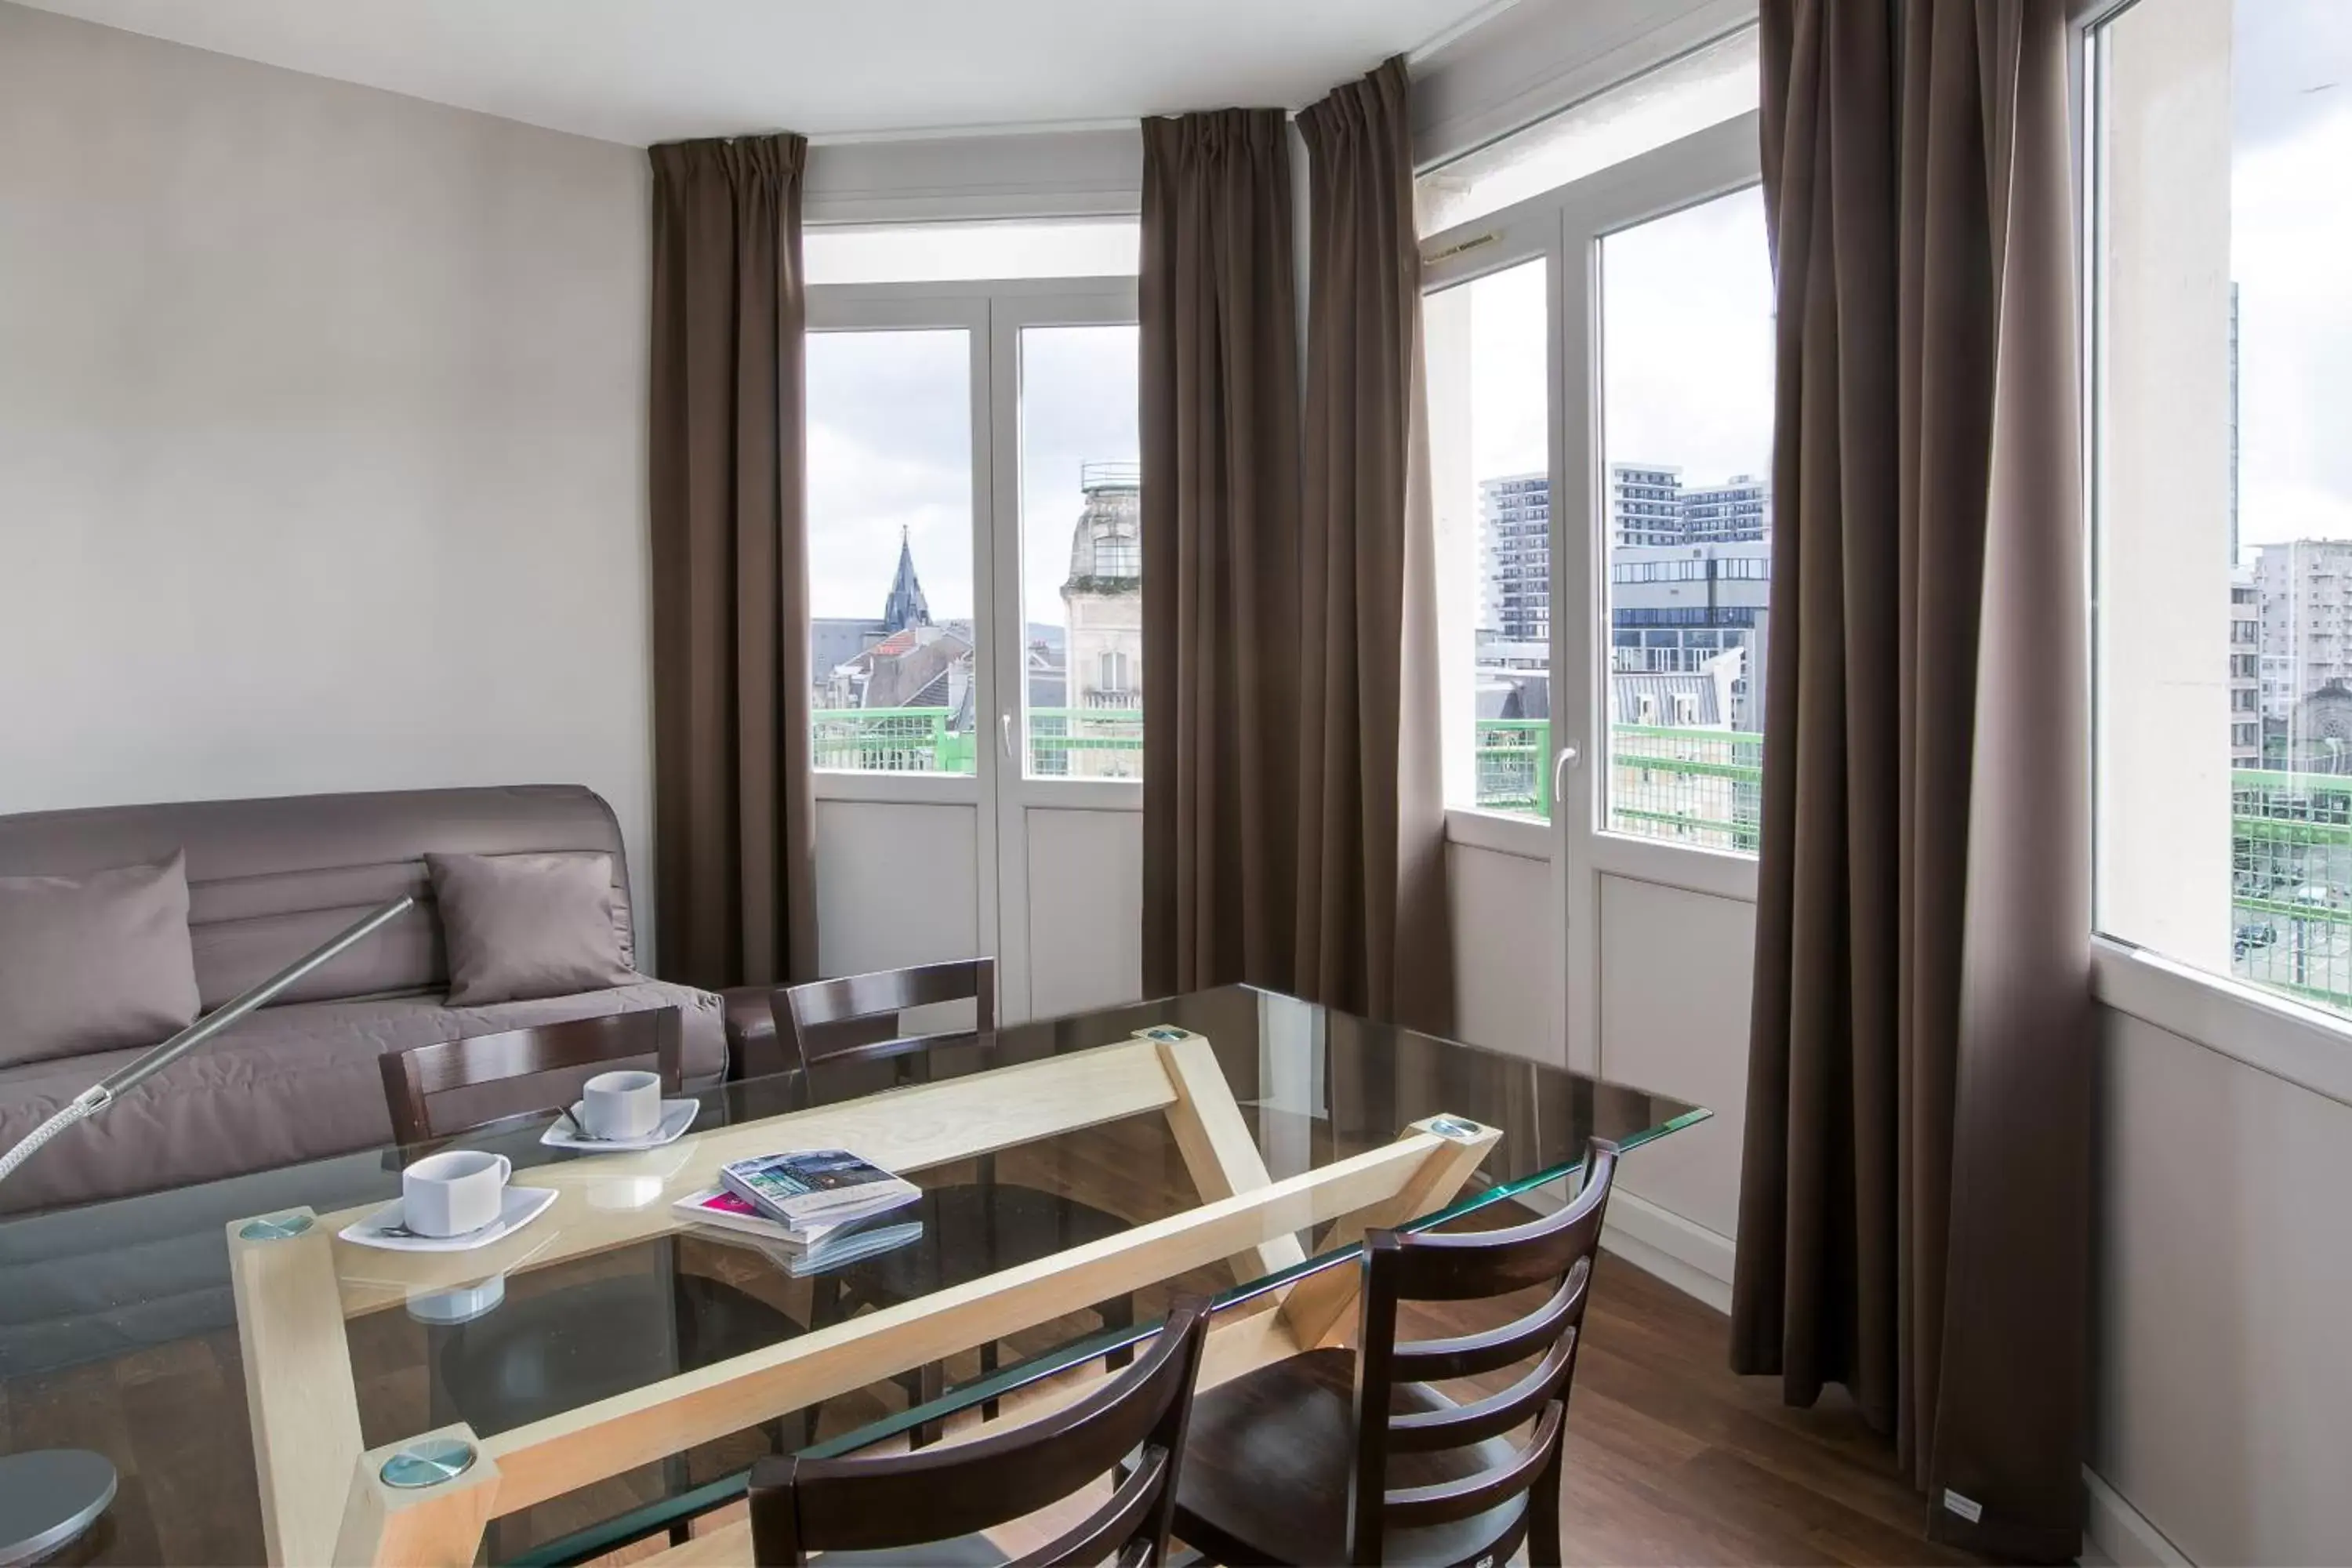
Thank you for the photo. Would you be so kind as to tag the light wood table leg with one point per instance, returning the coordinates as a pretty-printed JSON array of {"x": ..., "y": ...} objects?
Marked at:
[
  {"x": 438, "y": 1526},
  {"x": 299, "y": 1389},
  {"x": 1317, "y": 1304},
  {"x": 1216, "y": 1145}
]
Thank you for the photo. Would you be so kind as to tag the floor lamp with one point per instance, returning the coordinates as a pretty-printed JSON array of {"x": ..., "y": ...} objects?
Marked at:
[{"x": 50, "y": 1496}]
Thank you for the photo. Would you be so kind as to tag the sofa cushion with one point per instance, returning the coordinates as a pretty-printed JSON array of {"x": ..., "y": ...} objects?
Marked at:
[
  {"x": 522, "y": 926},
  {"x": 289, "y": 1083},
  {"x": 94, "y": 962},
  {"x": 271, "y": 880}
]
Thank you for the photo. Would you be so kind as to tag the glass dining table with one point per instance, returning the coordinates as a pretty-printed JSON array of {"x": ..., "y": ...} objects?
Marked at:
[{"x": 268, "y": 1391}]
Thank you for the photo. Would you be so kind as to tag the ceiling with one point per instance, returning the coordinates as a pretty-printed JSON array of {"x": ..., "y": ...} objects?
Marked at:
[{"x": 640, "y": 71}]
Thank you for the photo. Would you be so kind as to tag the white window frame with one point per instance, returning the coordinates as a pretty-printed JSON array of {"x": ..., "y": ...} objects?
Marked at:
[
  {"x": 2304, "y": 1046},
  {"x": 895, "y": 307},
  {"x": 992, "y": 312},
  {"x": 1565, "y": 226}
]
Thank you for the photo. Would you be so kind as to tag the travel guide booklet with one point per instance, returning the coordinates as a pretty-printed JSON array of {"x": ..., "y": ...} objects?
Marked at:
[
  {"x": 803, "y": 1185},
  {"x": 810, "y": 1248},
  {"x": 717, "y": 1205}
]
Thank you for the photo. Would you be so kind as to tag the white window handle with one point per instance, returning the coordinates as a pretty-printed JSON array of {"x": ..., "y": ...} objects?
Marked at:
[
  {"x": 1560, "y": 766},
  {"x": 1004, "y": 729}
]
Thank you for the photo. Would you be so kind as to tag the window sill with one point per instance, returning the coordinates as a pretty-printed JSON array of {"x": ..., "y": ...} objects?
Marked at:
[
  {"x": 1528, "y": 838},
  {"x": 907, "y": 789},
  {"x": 2303, "y": 1045}
]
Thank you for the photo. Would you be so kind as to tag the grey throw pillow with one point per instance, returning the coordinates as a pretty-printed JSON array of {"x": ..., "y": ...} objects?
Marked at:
[
  {"x": 520, "y": 927},
  {"x": 95, "y": 963}
]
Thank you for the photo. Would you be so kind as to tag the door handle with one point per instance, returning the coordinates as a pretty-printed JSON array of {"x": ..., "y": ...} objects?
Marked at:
[
  {"x": 1005, "y": 732},
  {"x": 1560, "y": 766}
]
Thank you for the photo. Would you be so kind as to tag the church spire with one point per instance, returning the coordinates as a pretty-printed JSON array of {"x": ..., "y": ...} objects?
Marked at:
[{"x": 905, "y": 605}]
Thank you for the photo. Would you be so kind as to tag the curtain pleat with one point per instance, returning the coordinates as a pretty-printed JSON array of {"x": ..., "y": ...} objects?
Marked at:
[
  {"x": 1372, "y": 930},
  {"x": 1914, "y": 1195},
  {"x": 733, "y": 814},
  {"x": 1220, "y": 525}
]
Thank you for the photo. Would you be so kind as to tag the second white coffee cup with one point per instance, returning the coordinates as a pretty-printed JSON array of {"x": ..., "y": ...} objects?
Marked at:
[
  {"x": 621, "y": 1104},
  {"x": 452, "y": 1192}
]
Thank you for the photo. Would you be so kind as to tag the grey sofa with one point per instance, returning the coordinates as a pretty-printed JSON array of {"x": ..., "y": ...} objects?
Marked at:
[{"x": 269, "y": 879}]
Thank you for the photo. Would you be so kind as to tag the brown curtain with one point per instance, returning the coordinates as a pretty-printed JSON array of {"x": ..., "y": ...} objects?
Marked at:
[
  {"x": 733, "y": 817},
  {"x": 1914, "y": 1207},
  {"x": 1220, "y": 522},
  {"x": 1372, "y": 919}
]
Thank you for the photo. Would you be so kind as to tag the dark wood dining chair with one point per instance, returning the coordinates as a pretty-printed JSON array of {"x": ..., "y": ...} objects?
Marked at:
[
  {"x": 1339, "y": 1456},
  {"x": 527, "y": 1358},
  {"x": 827, "y": 1025},
  {"x": 833, "y": 1027},
  {"x": 556, "y": 1057},
  {"x": 930, "y": 1507}
]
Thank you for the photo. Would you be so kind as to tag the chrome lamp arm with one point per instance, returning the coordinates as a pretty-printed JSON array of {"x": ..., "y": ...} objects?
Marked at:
[{"x": 101, "y": 1094}]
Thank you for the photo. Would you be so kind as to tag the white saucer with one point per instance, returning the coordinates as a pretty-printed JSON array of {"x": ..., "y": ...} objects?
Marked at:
[
  {"x": 677, "y": 1115},
  {"x": 519, "y": 1207}
]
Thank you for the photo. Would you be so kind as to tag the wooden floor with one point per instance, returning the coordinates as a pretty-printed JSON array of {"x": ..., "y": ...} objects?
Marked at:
[{"x": 1673, "y": 1460}]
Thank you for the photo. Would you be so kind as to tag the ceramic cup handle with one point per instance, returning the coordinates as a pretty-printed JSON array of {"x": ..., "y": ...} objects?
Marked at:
[{"x": 506, "y": 1170}]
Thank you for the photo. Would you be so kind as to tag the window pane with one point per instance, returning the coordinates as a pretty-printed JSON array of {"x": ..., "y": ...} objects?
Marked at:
[
  {"x": 934, "y": 252},
  {"x": 1490, "y": 423},
  {"x": 1081, "y": 553},
  {"x": 1686, "y": 421},
  {"x": 889, "y": 550},
  {"x": 1681, "y": 98},
  {"x": 2223, "y": 486}
]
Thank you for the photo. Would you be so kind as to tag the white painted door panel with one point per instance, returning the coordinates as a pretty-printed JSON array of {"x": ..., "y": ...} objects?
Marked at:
[
  {"x": 1676, "y": 967},
  {"x": 1506, "y": 950},
  {"x": 896, "y": 884},
  {"x": 1086, "y": 907}
]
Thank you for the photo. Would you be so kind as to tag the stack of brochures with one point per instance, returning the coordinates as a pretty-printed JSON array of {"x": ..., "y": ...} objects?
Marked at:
[{"x": 815, "y": 1209}]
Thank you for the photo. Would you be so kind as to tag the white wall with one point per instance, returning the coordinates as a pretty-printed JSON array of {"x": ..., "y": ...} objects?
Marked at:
[
  {"x": 321, "y": 437},
  {"x": 2224, "y": 1270},
  {"x": 1540, "y": 56}
]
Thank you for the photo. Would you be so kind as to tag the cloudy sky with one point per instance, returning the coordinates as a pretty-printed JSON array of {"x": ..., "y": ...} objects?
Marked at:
[
  {"x": 2291, "y": 255},
  {"x": 889, "y": 432}
]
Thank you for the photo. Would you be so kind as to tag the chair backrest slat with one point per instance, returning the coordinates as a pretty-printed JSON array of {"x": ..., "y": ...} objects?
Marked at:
[
  {"x": 1556, "y": 1252},
  {"x": 856, "y": 1017},
  {"x": 802, "y": 1505},
  {"x": 561, "y": 1056},
  {"x": 1488, "y": 1417},
  {"x": 1405, "y": 1508},
  {"x": 1467, "y": 1355},
  {"x": 1112, "y": 1527}
]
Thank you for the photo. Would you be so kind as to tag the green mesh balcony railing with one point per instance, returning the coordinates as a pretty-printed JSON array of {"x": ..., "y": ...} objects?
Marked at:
[
  {"x": 2290, "y": 835},
  {"x": 1695, "y": 786},
  {"x": 921, "y": 741}
]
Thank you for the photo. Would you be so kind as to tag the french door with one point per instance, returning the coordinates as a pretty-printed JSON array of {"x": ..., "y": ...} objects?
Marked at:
[
  {"x": 976, "y": 637},
  {"x": 1604, "y": 576}
]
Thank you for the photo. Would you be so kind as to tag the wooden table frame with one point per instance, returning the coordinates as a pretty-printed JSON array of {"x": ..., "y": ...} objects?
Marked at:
[{"x": 321, "y": 1496}]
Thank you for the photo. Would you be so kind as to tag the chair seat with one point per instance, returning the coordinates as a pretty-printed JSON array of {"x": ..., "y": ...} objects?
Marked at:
[
  {"x": 972, "y": 1231},
  {"x": 1267, "y": 1462}
]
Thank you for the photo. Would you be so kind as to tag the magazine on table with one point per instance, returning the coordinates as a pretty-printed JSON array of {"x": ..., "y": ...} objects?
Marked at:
[
  {"x": 732, "y": 1211},
  {"x": 805, "y": 1250},
  {"x": 803, "y": 1185}
]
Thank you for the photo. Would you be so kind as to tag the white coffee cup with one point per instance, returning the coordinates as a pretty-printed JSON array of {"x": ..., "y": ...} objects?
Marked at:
[
  {"x": 621, "y": 1104},
  {"x": 452, "y": 1192}
]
